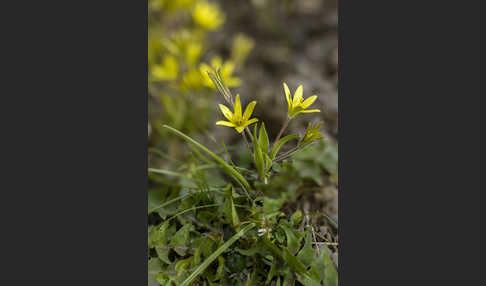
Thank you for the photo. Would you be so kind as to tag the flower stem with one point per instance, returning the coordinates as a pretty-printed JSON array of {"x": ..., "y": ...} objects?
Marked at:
[
  {"x": 249, "y": 133},
  {"x": 247, "y": 145},
  {"x": 286, "y": 123}
]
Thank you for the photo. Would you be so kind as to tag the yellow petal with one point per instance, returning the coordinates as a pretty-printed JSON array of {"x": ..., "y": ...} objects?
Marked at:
[
  {"x": 227, "y": 68},
  {"x": 237, "y": 108},
  {"x": 251, "y": 121},
  {"x": 232, "y": 81},
  {"x": 310, "y": 110},
  {"x": 298, "y": 95},
  {"x": 240, "y": 128},
  {"x": 249, "y": 110},
  {"x": 216, "y": 62},
  {"x": 226, "y": 112},
  {"x": 288, "y": 95},
  {"x": 225, "y": 123},
  {"x": 309, "y": 101}
]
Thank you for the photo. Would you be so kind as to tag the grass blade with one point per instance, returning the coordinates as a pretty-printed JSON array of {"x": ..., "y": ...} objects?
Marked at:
[
  {"x": 280, "y": 143},
  {"x": 230, "y": 170},
  {"x": 215, "y": 254}
]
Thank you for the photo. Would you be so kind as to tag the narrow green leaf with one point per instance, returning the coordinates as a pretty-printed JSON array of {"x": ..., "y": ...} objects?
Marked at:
[
  {"x": 259, "y": 163},
  {"x": 272, "y": 272},
  {"x": 280, "y": 143},
  {"x": 230, "y": 170},
  {"x": 216, "y": 254},
  {"x": 167, "y": 172},
  {"x": 263, "y": 139},
  {"x": 229, "y": 207},
  {"x": 294, "y": 263},
  {"x": 268, "y": 162}
]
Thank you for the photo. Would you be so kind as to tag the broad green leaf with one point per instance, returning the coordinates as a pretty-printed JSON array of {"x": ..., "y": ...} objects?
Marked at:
[
  {"x": 263, "y": 139},
  {"x": 154, "y": 267},
  {"x": 280, "y": 143},
  {"x": 307, "y": 280},
  {"x": 182, "y": 265},
  {"x": 330, "y": 160},
  {"x": 307, "y": 253},
  {"x": 299, "y": 268},
  {"x": 273, "y": 205},
  {"x": 216, "y": 254},
  {"x": 293, "y": 238},
  {"x": 330, "y": 273},
  {"x": 180, "y": 238},
  {"x": 160, "y": 243}
]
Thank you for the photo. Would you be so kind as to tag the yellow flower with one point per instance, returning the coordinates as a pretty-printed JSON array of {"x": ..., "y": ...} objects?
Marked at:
[
  {"x": 297, "y": 104},
  {"x": 208, "y": 15},
  {"x": 168, "y": 70},
  {"x": 227, "y": 69},
  {"x": 192, "y": 80},
  {"x": 238, "y": 120}
]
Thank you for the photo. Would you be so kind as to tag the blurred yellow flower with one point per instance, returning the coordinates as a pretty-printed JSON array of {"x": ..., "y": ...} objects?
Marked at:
[
  {"x": 241, "y": 47},
  {"x": 168, "y": 70},
  {"x": 193, "y": 52},
  {"x": 237, "y": 120},
  {"x": 208, "y": 15},
  {"x": 192, "y": 80},
  {"x": 227, "y": 69},
  {"x": 297, "y": 104}
]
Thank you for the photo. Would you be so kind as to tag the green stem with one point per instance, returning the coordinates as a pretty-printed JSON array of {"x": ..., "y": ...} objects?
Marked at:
[
  {"x": 286, "y": 123},
  {"x": 247, "y": 145},
  {"x": 239, "y": 178}
]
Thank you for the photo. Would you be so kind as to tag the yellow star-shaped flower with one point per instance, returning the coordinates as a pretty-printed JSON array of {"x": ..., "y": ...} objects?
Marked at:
[
  {"x": 227, "y": 69},
  {"x": 297, "y": 104},
  {"x": 237, "y": 120}
]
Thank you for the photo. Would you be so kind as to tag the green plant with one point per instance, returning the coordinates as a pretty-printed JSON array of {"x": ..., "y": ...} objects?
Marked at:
[{"x": 217, "y": 222}]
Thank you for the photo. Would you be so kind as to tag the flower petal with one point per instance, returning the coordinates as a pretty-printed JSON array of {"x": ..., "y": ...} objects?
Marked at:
[
  {"x": 310, "y": 110},
  {"x": 251, "y": 121},
  {"x": 298, "y": 95},
  {"x": 240, "y": 128},
  {"x": 232, "y": 81},
  {"x": 249, "y": 110},
  {"x": 237, "y": 108},
  {"x": 226, "y": 112},
  {"x": 227, "y": 69},
  {"x": 216, "y": 62},
  {"x": 225, "y": 123},
  {"x": 309, "y": 101},
  {"x": 288, "y": 95}
]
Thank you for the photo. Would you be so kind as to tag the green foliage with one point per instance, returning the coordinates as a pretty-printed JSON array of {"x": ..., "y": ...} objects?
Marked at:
[
  {"x": 225, "y": 236},
  {"x": 222, "y": 217}
]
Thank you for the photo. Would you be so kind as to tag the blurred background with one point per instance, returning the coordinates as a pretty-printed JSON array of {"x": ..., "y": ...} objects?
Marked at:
[{"x": 258, "y": 44}]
